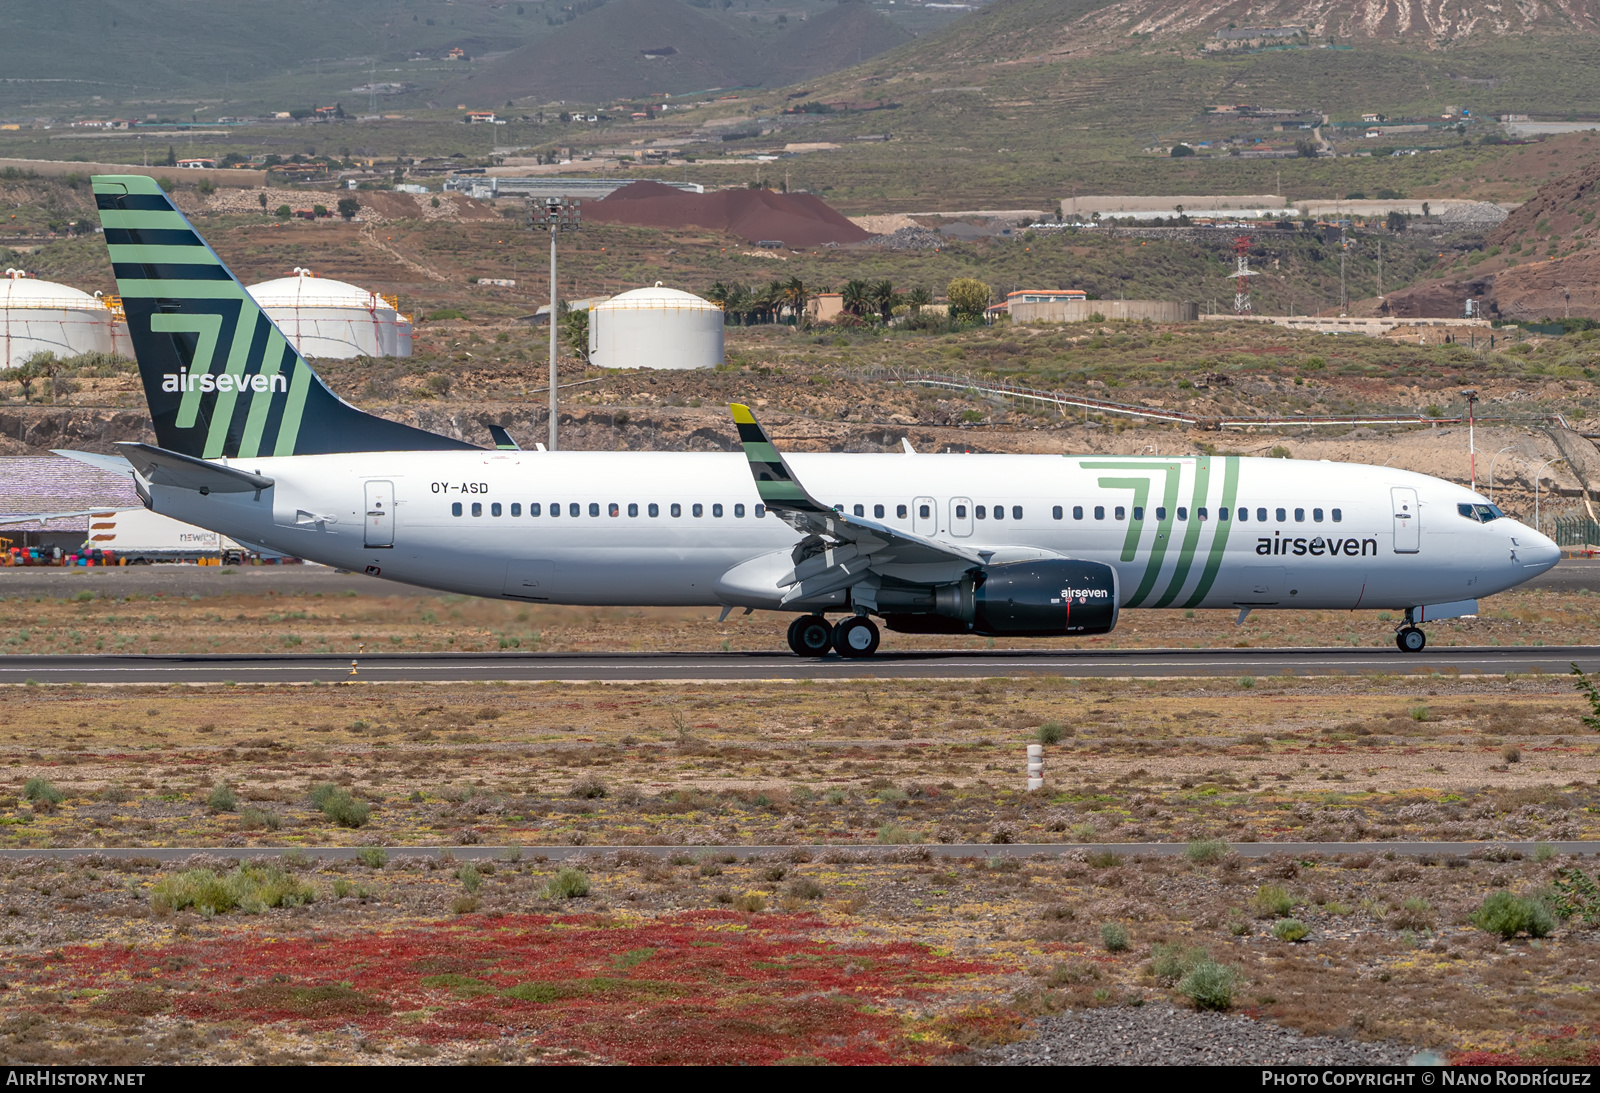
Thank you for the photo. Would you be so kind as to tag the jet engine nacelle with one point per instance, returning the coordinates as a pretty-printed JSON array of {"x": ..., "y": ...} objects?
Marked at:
[{"x": 1048, "y": 597}]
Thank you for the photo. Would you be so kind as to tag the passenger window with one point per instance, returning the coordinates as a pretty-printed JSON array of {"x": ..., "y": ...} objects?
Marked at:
[
  {"x": 1282, "y": 516},
  {"x": 1299, "y": 516},
  {"x": 999, "y": 512},
  {"x": 477, "y": 509},
  {"x": 1161, "y": 512},
  {"x": 761, "y": 510},
  {"x": 594, "y": 508},
  {"x": 1138, "y": 512},
  {"x": 1055, "y": 512},
  {"x": 1077, "y": 512},
  {"x": 1261, "y": 515},
  {"x": 1120, "y": 513},
  {"x": 633, "y": 508},
  {"x": 1099, "y": 512},
  {"x": 877, "y": 512},
  {"x": 1244, "y": 514},
  {"x": 1338, "y": 515},
  {"x": 860, "y": 510},
  {"x": 614, "y": 509},
  {"x": 677, "y": 509},
  {"x": 923, "y": 512},
  {"x": 961, "y": 512},
  {"x": 716, "y": 510},
  {"x": 738, "y": 512},
  {"x": 1222, "y": 514},
  {"x": 573, "y": 509},
  {"x": 1016, "y": 512},
  {"x": 1183, "y": 513},
  {"x": 455, "y": 508},
  {"x": 699, "y": 510},
  {"x": 980, "y": 511},
  {"x": 555, "y": 508},
  {"x": 1316, "y": 515},
  {"x": 494, "y": 509},
  {"x": 1200, "y": 514},
  {"x": 516, "y": 508},
  {"x": 654, "y": 509},
  {"x": 838, "y": 508},
  {"x": 900, "y": 512}
]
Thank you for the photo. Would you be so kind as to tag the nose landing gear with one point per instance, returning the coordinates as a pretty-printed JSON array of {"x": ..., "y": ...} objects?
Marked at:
[{"x": 1410, "y": 640}]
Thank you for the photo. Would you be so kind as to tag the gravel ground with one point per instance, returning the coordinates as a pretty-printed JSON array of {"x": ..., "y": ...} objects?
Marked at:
[{"x": 1163, "y": 1035}]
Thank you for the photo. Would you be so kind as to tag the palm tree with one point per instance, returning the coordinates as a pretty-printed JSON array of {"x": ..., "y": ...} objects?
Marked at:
[
  {"x": 768, "y": 300},
  {"x": 856, "y": 297},
  {"x": 884, "y": 296},
  {"x": 919, "y": 298},
  {"x": 795, "y": 297}
]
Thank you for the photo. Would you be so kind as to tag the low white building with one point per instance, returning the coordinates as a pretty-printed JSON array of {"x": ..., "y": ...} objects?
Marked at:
[{"x": 323, "y": 317}]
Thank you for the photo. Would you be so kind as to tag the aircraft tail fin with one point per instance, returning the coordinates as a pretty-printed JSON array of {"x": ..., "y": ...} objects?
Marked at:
[{"x": 220, "y": 378}]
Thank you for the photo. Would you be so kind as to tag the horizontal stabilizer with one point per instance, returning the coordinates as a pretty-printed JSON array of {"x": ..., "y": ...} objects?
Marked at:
[
  {"x": 160, "y": 467},
  {"x": 116, "y": 464},
  {"x": 41, "y": 517}
]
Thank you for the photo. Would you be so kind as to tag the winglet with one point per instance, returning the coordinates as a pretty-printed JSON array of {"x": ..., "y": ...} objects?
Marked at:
[
  {"x": 502, "y": 439},
  {"x": 775, "y": 482}
]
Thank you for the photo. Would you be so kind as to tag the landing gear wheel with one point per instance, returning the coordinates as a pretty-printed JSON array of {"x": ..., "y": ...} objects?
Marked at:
[
  {"x": 1410, "y": 639},
  {"x": 856, "y": 637},
  {"x": 810, "y": 636}
]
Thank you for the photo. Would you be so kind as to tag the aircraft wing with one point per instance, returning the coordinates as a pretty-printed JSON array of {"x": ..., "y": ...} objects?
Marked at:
[{"x": 839, "y": 550}]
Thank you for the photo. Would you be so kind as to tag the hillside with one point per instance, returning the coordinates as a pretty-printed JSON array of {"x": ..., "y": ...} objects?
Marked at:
[
  {"x": 625, "y": 48},
  {"x": 629, "y": 48},
  {"x": 845, "y": 35}
]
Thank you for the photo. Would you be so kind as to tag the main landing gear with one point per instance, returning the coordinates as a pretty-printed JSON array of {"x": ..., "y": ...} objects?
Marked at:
[
  {"x": 1410, "y": 640},
  {"x": 810, "y": 636},
  {"x": 854, "y": 637}
]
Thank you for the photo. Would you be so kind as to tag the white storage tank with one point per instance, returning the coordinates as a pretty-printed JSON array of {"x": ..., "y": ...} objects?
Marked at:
[
  {"x": 322, "y": 317},
  {"x": 42, "y": 316},
  {"x": 655, "y": 328}
]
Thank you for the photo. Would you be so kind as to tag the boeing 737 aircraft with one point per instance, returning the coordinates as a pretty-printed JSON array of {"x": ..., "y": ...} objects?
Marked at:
[{"x": 251, "y": 443}]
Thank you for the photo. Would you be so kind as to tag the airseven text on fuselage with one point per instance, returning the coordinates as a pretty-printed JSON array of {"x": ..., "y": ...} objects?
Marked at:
[
  {"x": 208, "y": 382},
  {"x": 1316, "y": 547}
]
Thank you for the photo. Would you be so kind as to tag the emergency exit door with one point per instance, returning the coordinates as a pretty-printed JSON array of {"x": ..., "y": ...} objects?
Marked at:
[
  {"x": 380, "y": 514},
  {"x": 1407, "y": 522}
]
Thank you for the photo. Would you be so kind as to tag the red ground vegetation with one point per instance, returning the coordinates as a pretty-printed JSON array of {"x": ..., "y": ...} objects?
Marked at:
[{"x": 703, "y": 987}]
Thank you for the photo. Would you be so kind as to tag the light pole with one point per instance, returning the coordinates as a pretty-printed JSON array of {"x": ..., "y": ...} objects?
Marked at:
[
  {"x": 552, "y": 215},
  {"x": 1537, "y": 526},
  {"x": 1492, "y": 462},
  {"x": 1472, "y": 447}
]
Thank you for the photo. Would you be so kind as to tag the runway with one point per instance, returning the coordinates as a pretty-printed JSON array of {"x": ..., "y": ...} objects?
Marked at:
[
  {"x": 770, "y": 666},
  {"x": 1410, "y": 848}
]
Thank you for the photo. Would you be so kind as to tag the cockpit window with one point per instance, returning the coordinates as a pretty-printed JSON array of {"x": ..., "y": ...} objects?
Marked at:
[{"x": 1483, "y": 514}]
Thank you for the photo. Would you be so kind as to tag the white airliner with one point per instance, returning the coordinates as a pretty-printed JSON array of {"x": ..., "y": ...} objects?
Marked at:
[{"x": 253, "y": 445}]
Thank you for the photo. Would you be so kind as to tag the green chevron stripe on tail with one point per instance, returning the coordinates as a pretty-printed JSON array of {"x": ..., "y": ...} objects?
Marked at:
[
  {"x": 1219, "y": 537},
  {"x": 221, "y": 380},
  {"x": 775, "y": 483}
]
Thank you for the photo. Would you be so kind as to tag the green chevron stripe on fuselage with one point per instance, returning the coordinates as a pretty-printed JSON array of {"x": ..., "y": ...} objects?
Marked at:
[
  {"x": 1191, "y": 534},
  {"x": 1219, "y": 538},
  {"x": 1173, "y": 473},
  {"x": 1193, "y": 528}
]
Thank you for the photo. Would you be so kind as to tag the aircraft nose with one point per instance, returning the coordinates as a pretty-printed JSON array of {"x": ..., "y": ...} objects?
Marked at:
[{"x": 1535, "y": 551}]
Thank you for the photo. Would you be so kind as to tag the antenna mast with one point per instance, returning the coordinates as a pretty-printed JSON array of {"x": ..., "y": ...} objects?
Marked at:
[{"x": 1242, "y": 275}]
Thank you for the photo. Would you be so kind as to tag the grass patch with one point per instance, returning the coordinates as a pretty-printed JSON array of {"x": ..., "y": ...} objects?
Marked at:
[
  {"x": 1508, "y": 915},
  {"x": 568, "y": 883},
  {"x": 339, "y": 806},
  {"x": 250, "y": 889}
]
